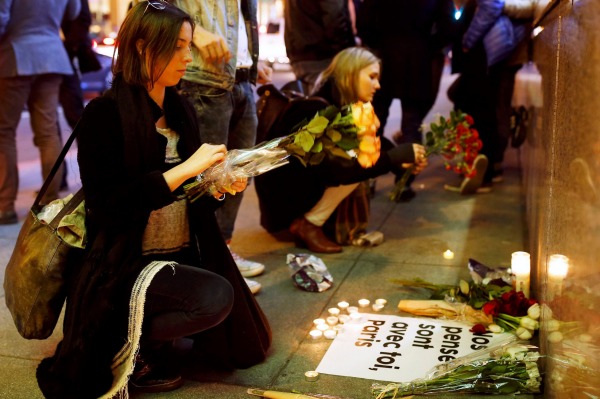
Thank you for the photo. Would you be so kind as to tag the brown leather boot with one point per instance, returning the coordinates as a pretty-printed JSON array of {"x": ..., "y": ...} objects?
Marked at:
[
  {"x": 311, "y": 236},
  {"x": 153, "y": 373}
]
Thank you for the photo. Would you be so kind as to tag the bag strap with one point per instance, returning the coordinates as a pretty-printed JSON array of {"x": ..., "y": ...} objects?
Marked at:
[{"x": 59, "y": 161}]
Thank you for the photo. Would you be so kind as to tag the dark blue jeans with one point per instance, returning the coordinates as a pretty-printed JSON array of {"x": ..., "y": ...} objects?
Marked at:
[
  {"x": 225, "y": 117},
  {"x": 184, "y": 301}
]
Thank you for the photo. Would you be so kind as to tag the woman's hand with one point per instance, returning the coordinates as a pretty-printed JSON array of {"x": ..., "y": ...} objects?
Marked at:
[
  {"x": 201, "y": 160},
  {"x": 420, "y": 159},
  {"x": 234, "y": 188}
]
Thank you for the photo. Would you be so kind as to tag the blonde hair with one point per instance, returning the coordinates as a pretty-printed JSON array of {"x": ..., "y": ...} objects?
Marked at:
[{"x": 345, "y": 68}]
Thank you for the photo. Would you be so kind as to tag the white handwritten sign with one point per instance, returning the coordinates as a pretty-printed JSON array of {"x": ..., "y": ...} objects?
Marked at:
[{"x": 400, "y": 349}]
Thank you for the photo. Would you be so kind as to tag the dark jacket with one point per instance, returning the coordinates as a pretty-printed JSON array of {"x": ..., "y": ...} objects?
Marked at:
[
  {"x": 288, "y": 192},
  {"x": 316, "y": 29},
  {"x": 121, "y": 161},
  {"x": 407, "y": 35}
]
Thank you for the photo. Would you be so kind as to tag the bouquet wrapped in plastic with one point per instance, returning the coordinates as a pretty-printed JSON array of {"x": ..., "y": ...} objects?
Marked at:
[
  {"x": 348, "y": 133},
  {"x": 504, "y": 369}
]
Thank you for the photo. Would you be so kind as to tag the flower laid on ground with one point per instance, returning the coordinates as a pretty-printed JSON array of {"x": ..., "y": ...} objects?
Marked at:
[
  {"x": 494, "y": 306},
  {"x": 514, "y": 371},
  {"x": 452, "y": 138},
  {"x": 347, "y": 132}
]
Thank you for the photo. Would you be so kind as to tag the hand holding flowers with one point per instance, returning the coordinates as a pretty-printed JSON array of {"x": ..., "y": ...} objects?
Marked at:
[{"x": 346, "y": 133}]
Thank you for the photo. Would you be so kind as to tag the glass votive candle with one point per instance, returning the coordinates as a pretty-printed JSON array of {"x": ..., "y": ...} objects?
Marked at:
[
  {"x": 377, "y": 307},
  {"x": 381, "y": 301},
  {"x": 343, "y": 318},
  {"x": 330, "y": 334},
  {"x": 315, "y": 334},
  {"x": 318, "y": 321},
  {"x": 322, "y": 327},
  {"x": 311, "y": 376},
  {"x": 448, "y": 254},
  {"x": 352, "y": 309},
  {"x": 363, "y": 303},
  {"x": 343, "y": 305},
  {"x": 332, "y": 320},
  {"x": 334, "y": 311}
]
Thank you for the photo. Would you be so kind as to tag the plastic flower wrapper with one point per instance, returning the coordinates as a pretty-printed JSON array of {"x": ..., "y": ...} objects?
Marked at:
[
  {"x": 349, "y": 132},
  {"x": 503, "y": 370},
  {"x": 309, "y": 272},
  {"x": 452, "y": 138}
]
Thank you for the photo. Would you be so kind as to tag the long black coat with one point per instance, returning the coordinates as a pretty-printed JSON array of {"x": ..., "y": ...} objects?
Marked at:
[
  {"x": 407, "y": 35},
  {"x": 121, "y": 158}
]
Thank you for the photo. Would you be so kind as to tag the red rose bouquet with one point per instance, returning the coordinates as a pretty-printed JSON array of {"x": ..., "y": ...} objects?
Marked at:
[{"x": 454, "y": 139}]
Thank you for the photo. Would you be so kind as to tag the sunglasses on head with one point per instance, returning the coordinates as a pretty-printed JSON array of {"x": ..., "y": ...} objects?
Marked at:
[{"x": 156, "y": 4}]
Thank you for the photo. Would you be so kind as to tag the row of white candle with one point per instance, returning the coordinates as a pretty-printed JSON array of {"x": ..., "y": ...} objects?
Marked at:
[
  {"x": 343, "y": 313},
  {"x": 558, "y": 267}
]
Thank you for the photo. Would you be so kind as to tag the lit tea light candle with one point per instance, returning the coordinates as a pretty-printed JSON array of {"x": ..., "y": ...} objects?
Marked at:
[
  {"x": 377, "y": 307},
  {"x": 343, "y": 305},
  {"x": 381, "y": 301},
  {"x": 521, "y": 268},
  {"x": 332, "y": 320},
  {"x": 330, "y": 334},
  {"x": 363, "y": 303},
  {"x": 311, "y": 376},
  {"x": 448, "y": 254},
  {"x": 558, "y": 267},
  {"x": 318, "y": 321},
  {"x": 315, "y": 334},
  {"x": 343, "y": 318},
  {"x": 322, "y": 327},
  {"x": 334, "y": 311},
  {"x": 352, "y": 309},
  {"x": 355, "y": 317}
]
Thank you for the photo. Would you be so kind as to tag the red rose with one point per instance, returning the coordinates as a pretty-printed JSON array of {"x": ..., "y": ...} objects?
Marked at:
[
  {"x": 492, "y": 307},
  {"x": 469, "y": 119},
  {"x": 478, "y": 329}
]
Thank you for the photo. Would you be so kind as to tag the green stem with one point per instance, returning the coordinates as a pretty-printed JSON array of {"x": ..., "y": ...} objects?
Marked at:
[{"x": 400, "y": 184}]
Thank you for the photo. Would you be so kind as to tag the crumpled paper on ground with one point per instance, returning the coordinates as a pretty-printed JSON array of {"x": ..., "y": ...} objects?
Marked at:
[{"x": 309, "y": 272}]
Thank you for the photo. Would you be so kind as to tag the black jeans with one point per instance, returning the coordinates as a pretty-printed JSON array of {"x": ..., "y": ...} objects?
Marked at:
[{"x": 183, "y": 302}]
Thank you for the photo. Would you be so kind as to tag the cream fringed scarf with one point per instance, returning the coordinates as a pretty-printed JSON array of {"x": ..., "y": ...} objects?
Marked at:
[{"x": 124, "y": 360}]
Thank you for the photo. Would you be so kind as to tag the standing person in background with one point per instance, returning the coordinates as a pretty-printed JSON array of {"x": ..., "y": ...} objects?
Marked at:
[
  {"x": 155, "y": 267},
  {"x": 485, "y": 56},
  {"x": 409, "y": 36},
  {"x": 315, "y": 31},
  {"x": 218, "y": 82},
  {"x": 83, "y": 59},
  {"x": 33, "y": 61}
]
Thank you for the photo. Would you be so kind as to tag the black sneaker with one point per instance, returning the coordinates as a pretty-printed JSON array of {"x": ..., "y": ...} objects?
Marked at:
[
  {"x": 152, "y": 372},
  {"x": 8, "y": 217}
]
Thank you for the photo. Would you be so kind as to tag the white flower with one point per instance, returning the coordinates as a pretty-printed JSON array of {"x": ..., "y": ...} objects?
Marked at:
[
  {"x": 523, "y": 333},
  {"x": 534, "y": 311},
  {"x": 529, "y": 323},
  {"x": 486, "y": 281},
  {"x": 555, "y": 337},
  {"x": 553, "y": 325},
  {"x": 585, "y": 338},
  {"x": 495, "y": 328},
  {"x": 516, "y": 352}
]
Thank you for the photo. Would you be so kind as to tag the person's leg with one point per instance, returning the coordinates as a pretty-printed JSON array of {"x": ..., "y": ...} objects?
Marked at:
[
  {"x": 43, "y": 105},
  {"x": 331, "y": 198},
  {"x": 382, "y": 100},
  {"x": 216, "y": 110},
  {"x": 71, "y": 99},
  {"x": 180, "y": 301},
  {"x": 308, "y": 71},
  {"x": 13, "y": 96}
]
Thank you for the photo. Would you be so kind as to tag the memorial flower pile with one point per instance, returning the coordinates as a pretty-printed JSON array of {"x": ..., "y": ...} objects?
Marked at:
[
  {"x": 454, "y": 139},
  {"x": 491, "y": 306},
  {"x": 513, "y": 371},
  {"x": 348, "y": 133}
]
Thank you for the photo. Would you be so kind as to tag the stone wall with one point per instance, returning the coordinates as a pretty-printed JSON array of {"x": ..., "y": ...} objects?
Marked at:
[{"x": 561, "y": 163}]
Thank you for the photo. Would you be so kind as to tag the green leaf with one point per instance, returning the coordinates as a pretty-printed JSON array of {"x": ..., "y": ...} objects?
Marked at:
[
  {"x": 347, "y": 143},
  {"x": 331, "y": 112},
  {"x": 318, "y": 147},
  {"x": 334, "y": 135},
  {"x": 305, "y": 140},
  {"x": 316, "y": 159},
  {"x": 338, "y": 152},
  {"x": 317, "y": 124}
]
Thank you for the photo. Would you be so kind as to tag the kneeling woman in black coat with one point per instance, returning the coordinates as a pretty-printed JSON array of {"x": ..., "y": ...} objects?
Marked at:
[
  {"x": 156, "y": 267},
  {"x": 302, "y": 198}
]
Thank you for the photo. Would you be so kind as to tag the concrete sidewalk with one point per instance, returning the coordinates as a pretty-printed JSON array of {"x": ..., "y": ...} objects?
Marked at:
[{"x": 486, "y": 227}]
